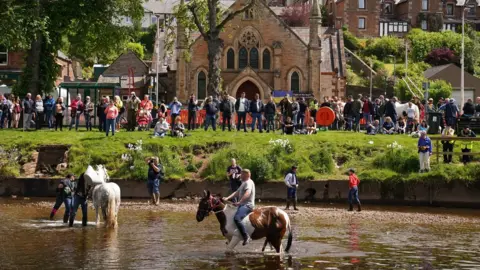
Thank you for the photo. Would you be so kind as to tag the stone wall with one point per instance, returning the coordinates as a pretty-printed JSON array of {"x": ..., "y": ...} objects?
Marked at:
[{"x": 452, "y": 194}]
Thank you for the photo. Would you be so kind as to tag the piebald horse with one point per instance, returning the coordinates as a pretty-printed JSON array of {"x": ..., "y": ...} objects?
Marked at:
[
  {"x": 106, "y": 196},
  {"x": 265, "y": 222}
]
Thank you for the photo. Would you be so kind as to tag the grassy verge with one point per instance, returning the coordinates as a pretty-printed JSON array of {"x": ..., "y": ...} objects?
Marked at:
[{"x": 206, "y": 155}]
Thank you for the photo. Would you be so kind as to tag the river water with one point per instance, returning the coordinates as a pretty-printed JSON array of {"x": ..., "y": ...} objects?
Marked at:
[{"x": 169, "y": 237}]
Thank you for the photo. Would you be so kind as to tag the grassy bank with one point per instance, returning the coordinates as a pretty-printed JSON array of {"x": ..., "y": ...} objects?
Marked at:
[{"x": 206, "y": 155}]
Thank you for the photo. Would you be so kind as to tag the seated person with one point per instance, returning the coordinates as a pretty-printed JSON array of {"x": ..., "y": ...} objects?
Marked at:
[
  {"x": 388, "y": 126},
  {"x": 288, "y": 127},
  {"x": 423, "y": 126},
  {"x": 414, "y": 126},
  {"x": 161, "y": 128},
  {"x": 401, "y": 126},
  {"x": 311, "y": 127},
  {"x": 370, "y": 129},
  {"x": 178, "y": 128},
  {"x": 142, "y": 119}
]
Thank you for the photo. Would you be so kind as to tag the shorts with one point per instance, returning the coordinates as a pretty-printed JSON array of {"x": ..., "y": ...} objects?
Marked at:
[{"x": 153, "y": 186}]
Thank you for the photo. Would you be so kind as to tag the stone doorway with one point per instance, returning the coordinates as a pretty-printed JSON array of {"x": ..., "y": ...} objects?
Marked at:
[{"x": 250, "y": 90}]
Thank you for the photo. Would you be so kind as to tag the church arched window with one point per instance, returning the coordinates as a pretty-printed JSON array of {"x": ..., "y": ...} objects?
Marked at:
[
  {"x": 230, "y": 59},
  {"x": 266, "y": 59},
  {"x": 242, "y": 58},
  {"x": 201, "y": 85},
  {"x": 254, "y": 58},
  {"x": 295, "y": 82}
]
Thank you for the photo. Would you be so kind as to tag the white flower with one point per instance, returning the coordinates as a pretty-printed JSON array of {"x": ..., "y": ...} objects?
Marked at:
[
  {"x": 132, "y": 167},
  {"x": 370, "y": 142}
]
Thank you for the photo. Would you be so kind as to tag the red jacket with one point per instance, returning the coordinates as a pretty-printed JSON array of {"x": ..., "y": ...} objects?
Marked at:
[{"x": 353, "y": 181}]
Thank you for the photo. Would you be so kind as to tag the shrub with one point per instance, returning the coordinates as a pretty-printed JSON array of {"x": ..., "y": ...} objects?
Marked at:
[
  {"x": 378, "y": 175},
  {"x": 440, "y": 88},
  {"x": 322, "y": 161},
  {"x": 350, "y": 41},
  {"x": 441, "y": 56},
  {"x": 398, "y": 160},
  {"x": 382, "y": 47}
]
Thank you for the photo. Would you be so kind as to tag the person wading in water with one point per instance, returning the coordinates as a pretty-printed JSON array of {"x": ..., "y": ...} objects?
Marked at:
[
  {"x": 353, "y": 192},
  {"x": 80, "y": 198},
  {"x": 292, "y": 185},
  {"x": 155, "y": 174},
  {"x": 246, "y": 203},
  {"x": 64, "y": 195}
]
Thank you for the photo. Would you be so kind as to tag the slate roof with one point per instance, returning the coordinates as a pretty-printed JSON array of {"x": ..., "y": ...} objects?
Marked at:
[{"x": 434, "y": 70}]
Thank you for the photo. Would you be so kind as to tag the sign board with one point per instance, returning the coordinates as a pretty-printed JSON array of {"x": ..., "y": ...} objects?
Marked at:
[
  {"x": 9, "y": 76},
  {"x": 325, "y": 116},
  {"x": 278, "y": 95}
]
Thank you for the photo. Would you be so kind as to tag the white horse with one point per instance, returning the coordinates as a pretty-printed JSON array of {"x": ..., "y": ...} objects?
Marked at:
[
  {"x": 106, "y": 195},
  {"x": 400, "y": 108}
]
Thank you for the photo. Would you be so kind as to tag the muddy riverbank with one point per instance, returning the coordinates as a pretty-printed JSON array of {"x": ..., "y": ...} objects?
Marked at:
[{"x": 452, "y": 194}]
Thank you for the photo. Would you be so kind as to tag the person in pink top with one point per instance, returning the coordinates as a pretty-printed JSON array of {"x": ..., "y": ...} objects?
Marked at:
[{"x": 111, "y": 112}]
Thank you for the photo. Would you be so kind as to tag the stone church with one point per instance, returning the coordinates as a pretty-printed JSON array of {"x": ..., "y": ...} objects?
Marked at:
[{"x": 262, "y": 54}]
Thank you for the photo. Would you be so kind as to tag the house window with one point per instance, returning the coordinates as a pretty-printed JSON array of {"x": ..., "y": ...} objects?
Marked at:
[
  {"x": 154, "y": 19},
  {"x": 388, "y": 8},
  {"x": 230, "y": 59},
  {"x": 3, "y": 56},
  {"x": 361, "y": 4},
  {"x": 266, "y": 59},
  {"x": 361, "y": 23},
  {"x": 472, "y": 11},
  {"x": 424, "y": 5},
  {"x": 449, "y": 9},
  {"x": 242, "y": 58},
  {"x": 295, "y": 82},
  {"x": 254, "y": 58},
  {"x": 248, "y": 15},
  {"x": 424, "y": 25},
  {"x": 201, "y": 85}
]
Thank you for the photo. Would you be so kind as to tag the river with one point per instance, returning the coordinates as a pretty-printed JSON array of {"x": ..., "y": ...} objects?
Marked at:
[{"x": 169, "y": 237}]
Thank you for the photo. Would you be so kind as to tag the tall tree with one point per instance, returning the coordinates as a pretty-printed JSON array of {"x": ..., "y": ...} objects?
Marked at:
[
  {"x": 89, "y": 30},
  {"x": 208, "y": 18}
]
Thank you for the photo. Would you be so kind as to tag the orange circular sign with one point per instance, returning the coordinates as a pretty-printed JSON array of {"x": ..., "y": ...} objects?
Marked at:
[{"x": 325, "y": 116}]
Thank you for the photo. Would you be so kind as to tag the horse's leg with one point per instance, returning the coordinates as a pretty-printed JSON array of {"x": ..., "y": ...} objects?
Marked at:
[
  {"x": 233, "y": 243},
  {"x": 97, "y": 216},
  {"x": 265, "y": 244},
  {"x": 276, "y": 242}
]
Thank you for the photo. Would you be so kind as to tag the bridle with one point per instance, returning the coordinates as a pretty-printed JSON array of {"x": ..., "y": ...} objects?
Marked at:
[{"x": 213, "y": 203}]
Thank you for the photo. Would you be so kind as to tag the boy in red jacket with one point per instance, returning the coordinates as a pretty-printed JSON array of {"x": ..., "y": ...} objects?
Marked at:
[{"x": 353, "y": 192}]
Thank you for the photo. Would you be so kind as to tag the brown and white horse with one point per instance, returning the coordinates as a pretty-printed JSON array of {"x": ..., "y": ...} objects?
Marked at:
[{"x": 265, "y": 222}]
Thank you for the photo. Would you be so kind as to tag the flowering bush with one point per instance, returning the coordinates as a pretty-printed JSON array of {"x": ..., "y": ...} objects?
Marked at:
[
  {"x": 284, "y": 144},
  {"x": 394, "y": 145}
]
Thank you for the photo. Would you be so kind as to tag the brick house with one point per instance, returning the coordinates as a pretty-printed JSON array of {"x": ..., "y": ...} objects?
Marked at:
[
  {"x": 373, "y": 18},
  {"x": 262, "y": 54}
]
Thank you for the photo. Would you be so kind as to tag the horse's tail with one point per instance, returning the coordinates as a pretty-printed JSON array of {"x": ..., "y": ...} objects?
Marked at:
[
  {"x": 290, "y": 236},
  {"x": 111, "y": 221}
]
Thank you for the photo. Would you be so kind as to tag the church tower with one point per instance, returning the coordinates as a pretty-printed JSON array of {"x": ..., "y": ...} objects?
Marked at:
[
  {"x": 181, "y": 73},
  {"x": 314, "y": 50}
]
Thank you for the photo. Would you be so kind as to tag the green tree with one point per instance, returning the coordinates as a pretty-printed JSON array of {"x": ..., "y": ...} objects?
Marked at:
[
  {"x": 415, "y": 74},
  {"x": 384, "y": 46},
  {"x": 147, "y": 39},
  {"x": 208, "y": 18},
  {"x": 137, "y": 48},
  {"x": 440, "y": 88},
  {"x": 88, "y": 30}
]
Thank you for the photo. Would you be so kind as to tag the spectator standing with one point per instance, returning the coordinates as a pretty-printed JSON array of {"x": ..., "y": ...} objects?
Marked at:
[
  {"x": 49, "y": 111},
  {"x": 295, "y": 110},
  {"x": 270, "y": 111},
  {"x": 429, "y": 107},
  {"x": 357, "y": 106},
  {"x": 448, "y": 132},
  {"x": 390, "y": 110},
  {"x": 146, "y": 105},
  {"x": 241, "y": 107},
  {"x": 424, "y": 151},
  {"x": 326, "y": 103},
  {"x": 302, "y": 110},
  {"x": 381, "y": 109},
  {"x": 3, "y": 108},
  {"x": 313, "y": 107},
  {"x": 468, "y": 108},
  {"x": 256, "y": 110},
  {"x": 286, "y": 108},
  {"x": 121, "y": 109},
  {"x": 211, "y": 113},
  {"x": 411, "y": 116},
  {"x": 133, "y": 103},
  {"x": 161, "y": 128},
  {"x": 348, "y": 113},
  {"x": 89, "y": 113},
  {"x": 467, "y": 147},
  {"x": 227, "y": 108},
  {"x": 477, "y": 107},
  {"x": 16, "y": 111},
  {"x": 292, "y": 185},
  {"x": 28, "y": 110},
  {"x": 367, "y": 110},
  {"x": 102, "y": 117},
  {"x": 6, "y": 118},
  {"x": 155, "y": 176},
  {"x": 353, "y": 183},
  {"x": 192, "y": 112},
  {"x": 451, "y": 113},
  {"x": 111, "y": 113},
  {"x": 175, "y": 109},
  {"x": 233, "y": 173},
  {"x": 76, "y": 109},
  {"x": 39, "y": 112},
  {"x": 59, "y": 113}
]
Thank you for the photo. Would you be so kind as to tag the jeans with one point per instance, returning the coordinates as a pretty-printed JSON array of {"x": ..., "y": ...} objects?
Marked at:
[
  {"x": 451, "y": 121},
  {"x": 173, "y": 116},
  {"x": 27, "y": 119},
  {"x": 1, "y": 119},
  {"x": 353, "y": 196},
  {"x": 159, "y": 134},
  {"x": 39, "y": 120},
  {"x": 102, "y": 122},
  {"x": 192, "y": 119},
  {"x": 110, "y": 124},
  {"x": 226, "y": 119},
  {"x": 382, "y": 119},
  {"x": 79, "y": 201},
  {"x": 295, "y": 119},
  {"x": 88, "y": 122},
  {"x": 242, "y": 116},
  {"x": 367, "y": 117},
  {"x": 49, "y": 118},
  {"x": 447, "y": 147},
  {"x": 75, "y": 120},
  {"x": 300, "y": 120},
  {"x": 255, "y": 117},
  {"x": 210, "y": 119},
  {"x": 356, "y": 122},
  {"x": 68, "y": 208},
  {"x": 242, "y": 212},
  {"x": 270, "y": 122},
  {"x": 292, "y": 193},
  {"x": 59, "y": 121},
  {"x": 56, "y": 206}
]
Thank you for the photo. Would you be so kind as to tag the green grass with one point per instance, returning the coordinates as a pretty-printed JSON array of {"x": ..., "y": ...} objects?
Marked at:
[{"x": 206, "y": 155}]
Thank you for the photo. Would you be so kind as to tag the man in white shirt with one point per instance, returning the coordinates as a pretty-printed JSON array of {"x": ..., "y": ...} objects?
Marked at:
[
  {"x": 241, "y": 107},
  {"x": 292, "y": 185},
  {"x": 161, "y": 128}
]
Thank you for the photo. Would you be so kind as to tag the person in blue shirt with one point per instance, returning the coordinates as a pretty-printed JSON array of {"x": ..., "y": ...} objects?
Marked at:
[
  {"x": 175, "y": 108},
  {"x": 424, "y": 151},
  {"x": 49, "y": 108}
]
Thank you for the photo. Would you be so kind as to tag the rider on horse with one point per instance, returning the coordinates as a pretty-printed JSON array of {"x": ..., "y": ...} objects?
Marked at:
[{"x": 246, "y": 202}]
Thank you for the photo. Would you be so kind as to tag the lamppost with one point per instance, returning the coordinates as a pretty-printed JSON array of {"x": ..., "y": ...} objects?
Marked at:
[
  {"x": 157, "y": 49},
  {"x": 462, "y": 60}
]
